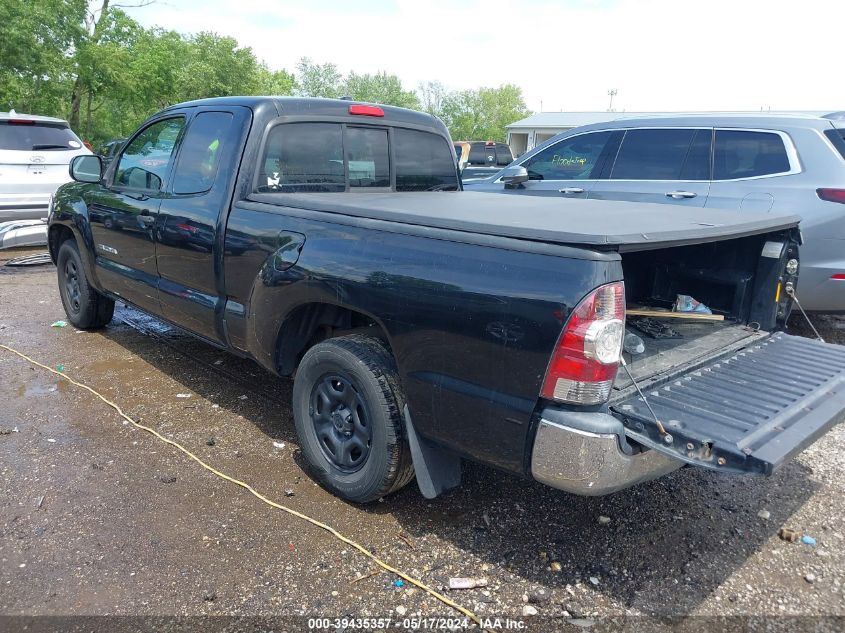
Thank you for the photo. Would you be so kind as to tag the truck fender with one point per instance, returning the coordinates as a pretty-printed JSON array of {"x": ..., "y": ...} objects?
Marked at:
[{"x": 437, "y": 469}]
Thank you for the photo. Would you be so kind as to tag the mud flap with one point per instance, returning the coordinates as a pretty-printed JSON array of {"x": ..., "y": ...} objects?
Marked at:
[
  {"x": 437, "y": 470},
  {"x": 749, "y": 411}
]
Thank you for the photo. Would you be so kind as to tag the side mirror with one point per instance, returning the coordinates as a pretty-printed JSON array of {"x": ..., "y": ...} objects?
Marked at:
[
  {"x": 87, "y": 168},
  {"x": 514, "y": 175}
]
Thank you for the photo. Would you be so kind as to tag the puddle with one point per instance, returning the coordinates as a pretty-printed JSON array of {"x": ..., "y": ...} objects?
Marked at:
[{"x": 40, "y": 389}]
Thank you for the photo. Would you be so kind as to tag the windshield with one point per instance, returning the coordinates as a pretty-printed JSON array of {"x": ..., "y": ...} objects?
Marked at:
[{"x": 36, "y": 136}]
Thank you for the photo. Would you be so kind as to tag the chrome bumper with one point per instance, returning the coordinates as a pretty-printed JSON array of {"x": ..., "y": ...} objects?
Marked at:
[{"x": 591, "y": 462}]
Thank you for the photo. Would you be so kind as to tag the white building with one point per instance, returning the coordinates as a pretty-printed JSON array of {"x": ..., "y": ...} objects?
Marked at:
[{"x": 528, "y": 133}]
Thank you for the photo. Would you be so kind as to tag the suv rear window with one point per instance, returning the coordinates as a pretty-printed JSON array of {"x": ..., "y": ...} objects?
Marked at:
[
  {"x": 480, "y": 153},
  {"x": 31, "y": 136},
  {"x": 837, "y": 137},
  {"x": 745, "y": 154},
  {"x": 663, "y": 154}
]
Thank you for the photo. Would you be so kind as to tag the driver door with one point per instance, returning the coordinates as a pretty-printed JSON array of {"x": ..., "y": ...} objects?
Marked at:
[
  {"x": 568, "y": 168},
  {"x": 123, "y": 214}
]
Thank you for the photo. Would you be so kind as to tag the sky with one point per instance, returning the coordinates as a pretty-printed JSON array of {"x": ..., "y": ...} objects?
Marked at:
[{"x": 659, "y": 55}]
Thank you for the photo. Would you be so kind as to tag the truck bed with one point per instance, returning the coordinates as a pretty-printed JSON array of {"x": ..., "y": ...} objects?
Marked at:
[{"x": 622, "y": 226}]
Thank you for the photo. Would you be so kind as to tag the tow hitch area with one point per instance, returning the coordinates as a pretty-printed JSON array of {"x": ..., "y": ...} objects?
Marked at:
[{"x": 750, "y": 411}]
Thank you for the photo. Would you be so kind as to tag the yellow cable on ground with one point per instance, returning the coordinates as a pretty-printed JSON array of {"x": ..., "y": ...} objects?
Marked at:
[{"x": 257, "y": 494}]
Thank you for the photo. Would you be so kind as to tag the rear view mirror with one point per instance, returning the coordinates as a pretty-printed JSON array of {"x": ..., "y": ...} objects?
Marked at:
[
  {"x": 87, "y": 168},
  {"x": 514, "y": 175}
]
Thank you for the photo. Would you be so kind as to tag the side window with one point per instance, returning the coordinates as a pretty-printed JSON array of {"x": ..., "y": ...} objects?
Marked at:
[
  {"x": 303, "y": 157},
  {"x": 744, "y": 154},
  {"x": 143, "y": 164},
  {"x": 201, "y": 150},
  {"x": 503, "y": 155},
  {"x": 423, "y": 162},
  {"x": 668, "y": 154},
  {"x": 367, "y": 157},
  {"x": 570, "y": 159}
]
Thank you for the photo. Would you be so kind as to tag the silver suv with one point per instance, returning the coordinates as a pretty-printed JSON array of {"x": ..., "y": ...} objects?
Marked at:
[
  {"x": 745, "y": 162},
  {"x": 34, "y": 155}
]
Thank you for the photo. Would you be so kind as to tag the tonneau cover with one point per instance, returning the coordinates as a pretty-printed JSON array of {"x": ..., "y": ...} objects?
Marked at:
[{"x": 623, "y": 226}]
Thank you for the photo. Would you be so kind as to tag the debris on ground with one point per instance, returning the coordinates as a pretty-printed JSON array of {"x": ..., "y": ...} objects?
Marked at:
[
  {"x": 528, "y": 610},
  {"x": 279, "y": 444},
  {"x": 810, "y": 578},
  {"x": 399, "y": 583},
  {"x": 538, "y": 596},
  {"x": 210, "y": 441},
  {"x": 764, "y": 514},
  {"x": 407, "y": 540},
  {"x": 808, "y": 540},
  {"x": 362, "y": 577},
  {"x": 604, "y": 520},
  {"x": 788, "y": 534},
  {"x": 40, "y": 502},
  {"x": 400, "y": 610},
  {"x": 51, "y": 440},
  {"x": 60, "y": 368},
  {"x": 594, "y": 580},
  {"x": 59, "y": 324},
  {"x": 243, "y": 397},
  {"x": 209, "y": 596},
  {"x": 467, "y": 583},
  {"x": 8, "y": 431},
  {"x": 556, "y": 567},
  {"x": 183, "y": 395},
  {"x": 167, "y": 479},
  {"x": 288, "y": 492}
]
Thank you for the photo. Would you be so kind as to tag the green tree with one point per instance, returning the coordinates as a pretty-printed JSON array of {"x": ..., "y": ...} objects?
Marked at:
[
  {"x": 380, "y": 88},
  {"x": 432, "y": 95},
  {"x": 318, "y": 80},
  {"x": 483, "y": 114},
  {"x": 36, "y": 73}
]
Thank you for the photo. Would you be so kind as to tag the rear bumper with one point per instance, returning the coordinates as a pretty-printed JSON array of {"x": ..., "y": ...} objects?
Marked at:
[
  {"x": 582, "y": 453},
  {"x": 24, "y": 206}
]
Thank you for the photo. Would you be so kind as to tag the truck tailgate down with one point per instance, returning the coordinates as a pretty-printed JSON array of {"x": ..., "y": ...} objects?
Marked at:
[{"x": 748, "y": 411}]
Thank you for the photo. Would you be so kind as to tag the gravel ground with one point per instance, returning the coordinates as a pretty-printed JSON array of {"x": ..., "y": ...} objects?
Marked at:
[{"x": 98, "y": 518}]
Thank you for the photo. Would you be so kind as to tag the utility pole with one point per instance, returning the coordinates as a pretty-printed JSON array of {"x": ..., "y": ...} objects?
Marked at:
[{"x": 611, "y": 93}]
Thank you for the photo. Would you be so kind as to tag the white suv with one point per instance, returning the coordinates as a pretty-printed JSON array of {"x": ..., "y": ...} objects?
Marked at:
[
  {"x": 744, "y": 162},
  {"x": 34, "y": 155}
]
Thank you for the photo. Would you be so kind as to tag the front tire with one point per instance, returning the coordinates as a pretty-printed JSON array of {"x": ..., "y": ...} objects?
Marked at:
[
  {"x": 86, "y": 308},
  {"x": 347, "y": 406}
]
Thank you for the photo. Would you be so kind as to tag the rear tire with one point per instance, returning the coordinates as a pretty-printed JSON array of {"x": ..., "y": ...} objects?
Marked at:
[
  {"x": 347, "y": 406},
  {"x": 86, "y": 308}
]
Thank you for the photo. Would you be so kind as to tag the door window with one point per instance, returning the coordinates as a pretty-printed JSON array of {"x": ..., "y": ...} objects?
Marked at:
[
  {"x": 201, "y": 151},
  {"x": 666, "y": 154},
  {"x": 144, "y": 162},
  {"x": 367, "y": 157},
  {"x": 745, "y": 154},
  {"x": 572, "y": 158}
]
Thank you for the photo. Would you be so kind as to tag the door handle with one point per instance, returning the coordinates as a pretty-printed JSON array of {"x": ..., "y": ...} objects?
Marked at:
[
  {"x": 571, "y": 190},
  {"x": 679, "y": 195}
]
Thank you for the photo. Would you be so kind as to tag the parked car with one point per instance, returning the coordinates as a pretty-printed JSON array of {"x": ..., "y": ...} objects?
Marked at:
[
  {"x": 34, "y": 155},
  {"x": 481, "y": 159},
  {"x": 747, "y": 163},
  {"x": 108, "y": 149},
  {"x": 421, "y": 332}
]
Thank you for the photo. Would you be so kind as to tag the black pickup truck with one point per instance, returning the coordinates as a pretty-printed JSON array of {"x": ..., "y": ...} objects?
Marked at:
[{"x": 330, "y": 240}]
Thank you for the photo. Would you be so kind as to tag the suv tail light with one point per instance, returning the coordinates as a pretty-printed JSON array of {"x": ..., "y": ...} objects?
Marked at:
[
  {"x": 586, "y": 357},
  {"x": 832, "y": 195},
  {"x": 366, "y": 110}
]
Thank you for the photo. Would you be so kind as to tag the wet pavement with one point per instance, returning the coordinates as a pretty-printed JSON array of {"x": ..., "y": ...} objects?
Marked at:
[{"x": 97, "y": 517}]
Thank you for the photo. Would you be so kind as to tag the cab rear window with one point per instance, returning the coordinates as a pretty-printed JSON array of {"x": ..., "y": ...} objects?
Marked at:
[
  {"x": 28, "y": 136},
  {"x": 331, "y": 157}
]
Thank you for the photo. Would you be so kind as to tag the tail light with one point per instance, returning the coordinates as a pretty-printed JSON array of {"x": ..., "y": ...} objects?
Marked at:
[
  {"x": 832, "y": 195},
  {"x": 586, "y": 357},
  {"x": 366, "y": 110}
]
